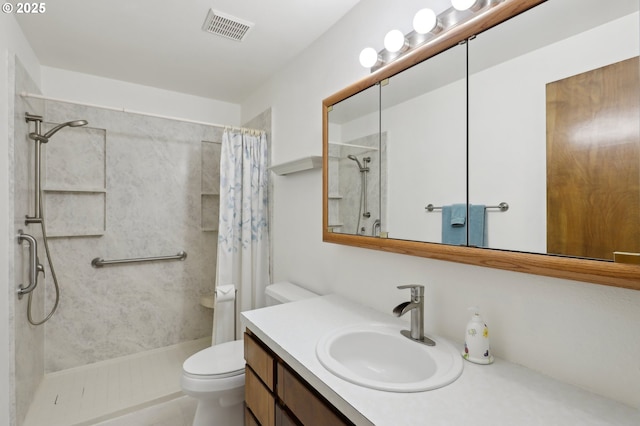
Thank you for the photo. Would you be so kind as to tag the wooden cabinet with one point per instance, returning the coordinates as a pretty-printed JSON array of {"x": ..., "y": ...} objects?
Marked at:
[
  {"x": 276, "y": 396},
  {"x": 259, "y": 399}
]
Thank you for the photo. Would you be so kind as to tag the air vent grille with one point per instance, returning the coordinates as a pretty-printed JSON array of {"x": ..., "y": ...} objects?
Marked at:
[{"x": 226, "y": 25}]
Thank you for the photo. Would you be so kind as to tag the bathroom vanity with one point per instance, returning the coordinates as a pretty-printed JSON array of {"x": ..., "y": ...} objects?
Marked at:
[
  {"x": 286, "y": 383},
  {"x": 272, "y": 389}
]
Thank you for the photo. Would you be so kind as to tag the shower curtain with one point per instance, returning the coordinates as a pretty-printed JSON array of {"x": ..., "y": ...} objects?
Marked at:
[{"x": 243, "y": 233}]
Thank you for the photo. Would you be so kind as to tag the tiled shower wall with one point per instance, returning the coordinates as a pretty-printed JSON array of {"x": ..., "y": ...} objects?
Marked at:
[
  {"x": 124, "y": 186},
  {"x": 345, "y": 184},
  {"x": 128, "y": 186}
]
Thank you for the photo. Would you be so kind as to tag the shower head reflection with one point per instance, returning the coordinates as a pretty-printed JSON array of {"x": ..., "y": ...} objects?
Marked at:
[{"x": 360, "y": 166}]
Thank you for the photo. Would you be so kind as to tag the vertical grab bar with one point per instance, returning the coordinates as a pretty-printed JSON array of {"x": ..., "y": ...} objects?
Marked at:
[{"x": 34, "y": 265}]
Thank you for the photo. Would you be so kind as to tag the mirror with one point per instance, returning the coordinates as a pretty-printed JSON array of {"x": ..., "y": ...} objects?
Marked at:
[
  {"x": 508, "y": 157},
  {"x": 396, "y": 126},
  {"x": 554, "y": 129},
  {"x": 423, "y": 111},
  {"x": 355, "y": 172}
]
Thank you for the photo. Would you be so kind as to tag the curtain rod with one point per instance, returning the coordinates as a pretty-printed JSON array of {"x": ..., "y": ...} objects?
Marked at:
[{"x": 148, "y": 114}]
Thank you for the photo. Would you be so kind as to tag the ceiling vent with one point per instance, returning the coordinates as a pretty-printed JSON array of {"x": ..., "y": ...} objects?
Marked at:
[{"x": 226, "y": 25}]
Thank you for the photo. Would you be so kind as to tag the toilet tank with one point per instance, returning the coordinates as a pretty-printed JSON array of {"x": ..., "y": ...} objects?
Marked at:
[{"x": 285, "y": 292}]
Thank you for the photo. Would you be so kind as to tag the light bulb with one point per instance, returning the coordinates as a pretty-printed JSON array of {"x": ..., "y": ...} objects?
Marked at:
[
  {"x": 394, "y": 41},
  {"x": 424, "y": 21},
  {"x": 462, "y": 4},
  {"x": 368, "y": 57}
]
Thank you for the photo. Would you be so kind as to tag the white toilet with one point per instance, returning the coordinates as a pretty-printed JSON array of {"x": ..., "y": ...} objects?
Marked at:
[{"x": 215, "y": 376}]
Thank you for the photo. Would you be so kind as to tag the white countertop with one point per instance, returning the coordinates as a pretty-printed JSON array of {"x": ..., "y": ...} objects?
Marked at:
[{"x": 498, "y": 394}]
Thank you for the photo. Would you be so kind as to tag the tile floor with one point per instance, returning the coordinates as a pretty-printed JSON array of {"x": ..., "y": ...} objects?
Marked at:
[
  {"x": 105, "y": 390},
  {"x": 177, "y": 412}
]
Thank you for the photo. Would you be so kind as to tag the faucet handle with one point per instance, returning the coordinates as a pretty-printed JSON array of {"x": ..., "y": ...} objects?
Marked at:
[{"x": 417, "y": 290}]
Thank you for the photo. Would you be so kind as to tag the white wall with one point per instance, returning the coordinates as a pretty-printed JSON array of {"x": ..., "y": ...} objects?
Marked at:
[
  {"x": 74, "y": 86},
  {"x": 12, "y": 43},
  {"x": 561, "y": 328}
]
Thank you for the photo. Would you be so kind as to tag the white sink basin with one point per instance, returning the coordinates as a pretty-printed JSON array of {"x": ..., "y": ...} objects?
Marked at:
[{"x": 377, "y": 356}]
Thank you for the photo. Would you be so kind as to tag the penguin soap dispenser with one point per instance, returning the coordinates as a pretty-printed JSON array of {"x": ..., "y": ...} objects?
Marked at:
[{"x": 476, "y": 340}]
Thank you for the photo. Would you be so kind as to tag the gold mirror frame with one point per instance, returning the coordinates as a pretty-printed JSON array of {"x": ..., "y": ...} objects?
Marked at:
[{"x": 591, "y": 271}]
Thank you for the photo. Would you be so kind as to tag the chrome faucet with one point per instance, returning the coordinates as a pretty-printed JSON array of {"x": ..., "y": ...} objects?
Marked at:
[{"x": 416, "y": 306}]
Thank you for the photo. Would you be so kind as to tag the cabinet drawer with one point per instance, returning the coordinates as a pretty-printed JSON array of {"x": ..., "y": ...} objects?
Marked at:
[
  {"x": 249, "y": 419},
  {"x": 282, "y": 418},
  {"x": 259, "y": 359},
  {"x": 310, "y": 409},
  {"x": 258, "y": 399}
]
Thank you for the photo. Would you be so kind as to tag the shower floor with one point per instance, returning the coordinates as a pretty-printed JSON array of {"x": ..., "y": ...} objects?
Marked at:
[{"x": 103, "y": 390}]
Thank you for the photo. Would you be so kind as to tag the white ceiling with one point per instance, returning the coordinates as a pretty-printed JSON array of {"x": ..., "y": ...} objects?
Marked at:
[{"x": 160, "y": 43}]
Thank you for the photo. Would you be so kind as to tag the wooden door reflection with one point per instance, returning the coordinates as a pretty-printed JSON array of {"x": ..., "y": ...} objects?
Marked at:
[{"x": 593, "y": 123}]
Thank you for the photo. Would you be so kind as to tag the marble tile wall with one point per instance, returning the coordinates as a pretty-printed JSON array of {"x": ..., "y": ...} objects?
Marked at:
[
  {"x": 210, "y": 185},
  {"x": 28, "y": 341},
  {"x": 148, "y": 176},
  {"x": 153, "y": 206},
  {"x": 346, "y": 182}
]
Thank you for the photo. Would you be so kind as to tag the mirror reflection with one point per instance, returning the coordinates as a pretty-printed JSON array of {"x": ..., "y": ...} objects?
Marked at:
[
  {"x": 553, "y": 131},
  {"x": 554, "y": 116},
  {"x": 423, "y": 117},
  {"x": 355, "y": 166}
]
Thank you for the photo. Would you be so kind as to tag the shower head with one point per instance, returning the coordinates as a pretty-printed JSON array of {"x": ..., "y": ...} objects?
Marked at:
[
  {"x": 365, "y": 160},
  {"x": 45, "y": 138},
  {"x": 75, "y": 123},
  {"x": 354, "y": 158}
]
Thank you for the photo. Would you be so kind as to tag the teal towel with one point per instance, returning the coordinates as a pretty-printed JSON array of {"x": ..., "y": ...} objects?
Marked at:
[
  {"x": 477, "y": 225},
  {"x": 458, "y": 214},
  {"x": 457, "y": 234}
]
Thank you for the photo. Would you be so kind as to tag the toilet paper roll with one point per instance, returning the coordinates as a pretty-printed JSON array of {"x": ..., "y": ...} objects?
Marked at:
[{"x": 225, "y": 293}]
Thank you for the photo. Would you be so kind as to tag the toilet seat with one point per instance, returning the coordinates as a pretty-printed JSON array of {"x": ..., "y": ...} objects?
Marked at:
[{"x": 216, "y": 362}]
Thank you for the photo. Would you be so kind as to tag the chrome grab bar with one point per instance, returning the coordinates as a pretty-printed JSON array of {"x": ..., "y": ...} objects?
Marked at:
[
  {"x": 34, "y": 264},
  {"x": 99, "y": 263}
]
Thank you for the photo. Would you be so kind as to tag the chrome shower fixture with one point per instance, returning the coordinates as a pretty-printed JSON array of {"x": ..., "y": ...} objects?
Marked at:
[
  {"x": 38, "y": 217},
  {"x": 36, "y": 136},
  {"x": 365, "y": 160},
  {"x": 364, "y": 170},
  {"x": 39, "y": 138}
]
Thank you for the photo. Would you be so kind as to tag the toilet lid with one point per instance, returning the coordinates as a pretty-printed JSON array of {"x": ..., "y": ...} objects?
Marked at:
[{"x": 223, "y": 360}]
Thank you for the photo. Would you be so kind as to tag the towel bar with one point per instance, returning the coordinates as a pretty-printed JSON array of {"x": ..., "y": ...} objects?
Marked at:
[
  {"x": 99, "y": 263},
  {"x": 503, "y": 207}
]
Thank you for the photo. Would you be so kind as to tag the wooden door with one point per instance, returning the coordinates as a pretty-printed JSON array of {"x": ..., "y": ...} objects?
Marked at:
[{"x": 593, "y": 162}]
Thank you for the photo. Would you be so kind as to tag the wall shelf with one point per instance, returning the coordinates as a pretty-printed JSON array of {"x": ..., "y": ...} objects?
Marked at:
[
  {"x": 299, "y": 165},
  {"x": 74, "y": 190},
  {"x": 87, "y": 234},
  {"x": 210, "y": 152},
  {"x": 350, "y": 145}
]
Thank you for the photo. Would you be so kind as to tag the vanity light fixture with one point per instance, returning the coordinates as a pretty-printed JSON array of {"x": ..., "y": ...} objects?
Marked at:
[
  {"x": 463, "y": 4},
  {"x": 427, "y": 26},
  {"x": 369, "y": 57},
  {"x": 425, "y": 21},
  {"x": 394, "y": 41}
]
